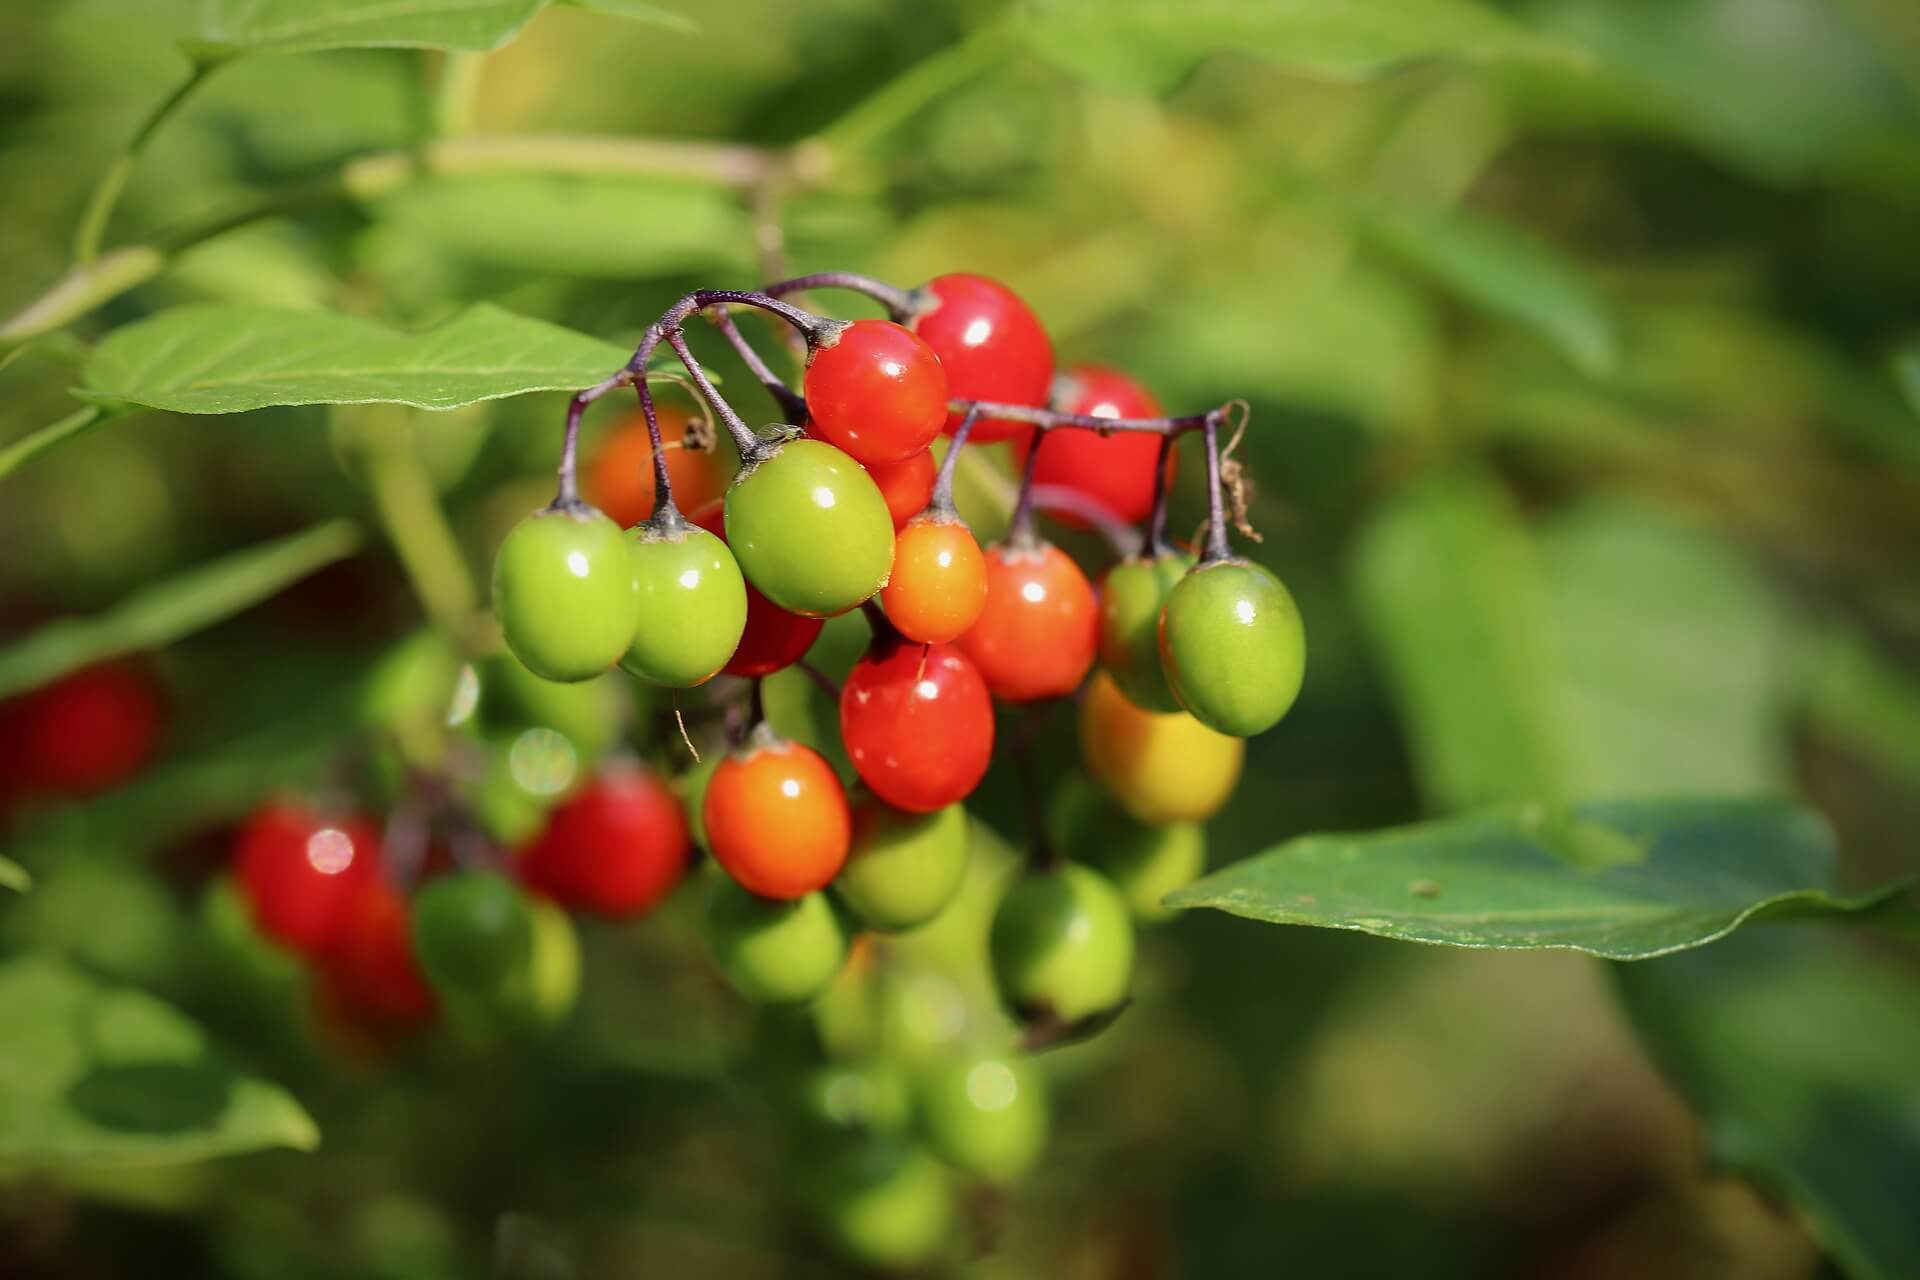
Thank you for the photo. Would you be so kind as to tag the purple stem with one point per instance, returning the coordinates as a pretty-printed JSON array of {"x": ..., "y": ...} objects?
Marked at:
[
  {"x": 1041, "y": 417},
  {"x": 941, "y": 503},
  {"x": 900, "y": 303},
  {"x": 1157, "y": 544},
  {"x": 1217, "y": 545},
  {"x": 1020, "y": 531},
  {"x": 791, "y": 403}
]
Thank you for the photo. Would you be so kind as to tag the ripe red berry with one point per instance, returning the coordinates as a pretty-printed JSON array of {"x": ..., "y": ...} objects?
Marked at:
[
  {"x": 918, "y": 724},
  {"x": 907, "y": 486},
  {"x": 1037, "y": 635},
  {"x": 620, "y": 478},
  {"x": 939, "y": 583},
  {"x": 615, "y": 848},
  {"x": 777, "y": 818},
  {"x": 992, "y": 346},
  {"x": 1114, "y": 471},
  {"x": 370, "y": 971},
  {"x": 303, "y": 875},
  {"x": 774, "y": 638},
  {"x": 86, "y": 732},
  {"x": 877, "y": 393}
]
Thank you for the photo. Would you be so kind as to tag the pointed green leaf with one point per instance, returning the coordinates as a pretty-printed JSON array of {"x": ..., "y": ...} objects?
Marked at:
[
  {"x": 1624, "y": 880},
  {"x": 98, "y": 1076},
  {"x": 158, "y": 615},
  {"x": 1152, "y": 43},
  {"x": 226, "y": 28},
  {"x": 1799, "y": 1053},
  {"x": 231, "y": 358},
  {"x": 14, "y": 876}
]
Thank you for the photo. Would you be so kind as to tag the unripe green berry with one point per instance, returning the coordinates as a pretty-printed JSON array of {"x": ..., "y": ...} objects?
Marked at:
[
  {"x": 810, "y": 529},
  {"x": 986, "y": 1116},
  {"x": 1062, "y": 945},
  {"x": 903, "y": 867},
  {"x": 883, "y": 1204},
  {"x": 473, "y": 932},
  {"x": 774, "y": 952},
  {"x": 1131, "y": 597},
  {"x": 1232, "y": 647},
  {"x": 1145, "y": 862},
  {"x": 563, "y": 590},
  {"x": 693, "y": 605}
]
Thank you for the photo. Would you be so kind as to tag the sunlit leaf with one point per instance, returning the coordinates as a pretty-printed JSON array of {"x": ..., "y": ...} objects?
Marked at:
[
  {"x": 1799, "y": 1053},
  {"x": 158, "y": 615},
  {"x": 639, "y": 11},
  {"x": 1625, "y": 880},
  {"x": 229, "y": 27},
  {"x": 14, "y": 876},
  {"x": 98, "y": 1075}
]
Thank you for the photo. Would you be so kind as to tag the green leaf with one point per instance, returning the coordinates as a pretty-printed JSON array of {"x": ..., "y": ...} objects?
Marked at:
[
  {"x": 34, "y": 443},
  {"x": 1799, "y": 1053},
  {"x": 1906, "y": 370},
  {"x": 639, "y": 11},
  {"x": 1152, "y": 43},
  {"x": 568, "y": 224},
  {"x": 1856, "y": 694},
  {"x": 222, "y": 358},
  {"x": 226, "y": 28},
  {"x": 1624, "y": 880},
  {"x": 161, "y": 614},
  {"x": 1618, "y": 654},
  {"x": 1503, "y": 272},
  {"x": 14, "y": 876},
  {"x": 97, "y": 1075}
]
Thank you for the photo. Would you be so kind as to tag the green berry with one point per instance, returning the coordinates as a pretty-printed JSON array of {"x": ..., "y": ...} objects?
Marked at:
[
  {"x": 563, "y": 590},
  {"x": 883, "y": 1204},
  {"x": 903, "y": 867},
  {"x": 1232, "y": 647},
  {"x": 871, "y": 1096},
  {"x": 1062, "y": 945},
  {"x": 474, "y": 934},
  {"x": 1145, "y": 862},
  {"x": 986, "y": 1116},
  {"x": 543, "y": 992},
  {"x": 693, "y": 605},
  {"x": 1130, "y": 601},
  {"x": 774, "y": 952},
  {"x": 811, "y": 529},
  {"x": 588, "y": 713},
  {"x": 693, "y": 793}
]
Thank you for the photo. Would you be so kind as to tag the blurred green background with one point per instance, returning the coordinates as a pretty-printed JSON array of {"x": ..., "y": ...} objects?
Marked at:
[{"x": 1582, "y": 430}]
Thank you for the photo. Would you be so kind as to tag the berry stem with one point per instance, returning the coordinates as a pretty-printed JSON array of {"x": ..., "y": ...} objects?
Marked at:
[
  {"x": 940, "y": 505},
  {"x": 666, "y": 515},
  {"x": 900, "y": 303},
  {"x": 1217, "y": 545},
  {"x": 1020, "y": 530},
  {"x": 569, "y": 491},
  {"x": 1042, "y": 417},
  {"x": 1157, "y": 544},
  {"x": 821, "y": 680},
  {"x": 743, "y": 437},
  {"x": 791, "y": 403}
]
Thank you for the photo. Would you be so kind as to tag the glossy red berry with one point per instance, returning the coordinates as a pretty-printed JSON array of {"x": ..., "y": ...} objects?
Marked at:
[
  {"x": 907, "y": 486},
  {"x": 303, "y": 874},
  {"x": 939, "y": 583},
  {"x": 371, "y": 973},
  {"x": 777, "y": 818},
  {"x": 876, "y": 392},
  {"x": 1115, "y": 472},
  {"x": 620, "y": 478},
  {"x": 1037, "y": 635},
  {"x": 991, "y": 344},
  {"x": 86, "y": 732},
  {"x": 773, "y": 638},
  {"x": 615, "y": 848},
  {"x": 918, "y": 724}
]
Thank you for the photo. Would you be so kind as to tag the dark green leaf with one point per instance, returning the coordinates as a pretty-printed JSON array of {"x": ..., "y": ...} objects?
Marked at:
[
  {"x": 1625, "y": 880},
  {"x": 1152, "y": 43},
  {"x": 161, "y": 614},
  {"x": 229, "y": 27},
  {"x": 231, "y": 358},
  {"x": 96, "y": 1075},
  {"x": 1799, "y": 1053}
]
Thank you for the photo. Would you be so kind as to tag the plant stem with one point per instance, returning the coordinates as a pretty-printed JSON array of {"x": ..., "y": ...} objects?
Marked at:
[
  {"x": 884, "y": 110},
  {"x": 92, "y": 228},
  {"x": 1042, "y": 417},
  {"x": 46, "y": 437},
  {"x": 791, "y": 403},
  {"x": 1217, "y": 545},
  {"x": 941, "y": 503},
  {"x": 743, "y": 437},
  {"x": 900, "y": 303},
  {"x": 1156, "y": 535},
  {"x": 410, "y": 512},
  {"x": 1020, "y": 531},
  {"x": 666, "y": 515},
  {"x": 457, "y": 92}
]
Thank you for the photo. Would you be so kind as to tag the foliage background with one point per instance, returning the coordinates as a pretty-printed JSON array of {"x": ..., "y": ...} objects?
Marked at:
[{"x": 1573, "y": 331}]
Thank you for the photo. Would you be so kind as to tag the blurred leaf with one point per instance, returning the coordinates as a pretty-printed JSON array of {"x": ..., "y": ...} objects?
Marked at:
[
  {"x": 1906, "y": 368},
  {"x": 1504, "y": 272},
  {"x": 1624, "y": 880},
  {"x": 229, "y": 27},
  {"x": 35, "y": 443},
  {"x": 639, "y": 11},
  {"x": 1618, "y": 655},
  {"x": 1800, "y": 1053},
  {"x": 161, "y": 614},
  {"x": 1852, "y": 691},
  {"x": 1151, "y": 43},
  {"x": 14, "y": 876},
  {"x": 230, "y": 358},
  {"x": 584, "y": 226},
  {"x": 98, "y": 1075}
]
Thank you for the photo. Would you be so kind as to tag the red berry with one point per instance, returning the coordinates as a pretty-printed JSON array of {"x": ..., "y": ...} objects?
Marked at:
[
  {"x": 304, "y": 875},
  {"x": 615, "y": 848},
  {"x": 84, "y": 733},
  {"x": 877, "y": 393},
  {"x": 1037, "y": 635},
  {"x": 907, "y": 486},
  {"x": 774, "y": 638},
  {"x": 991, "y": 345},
  {"x": 370, "y": 970},
  {"x": 1114, "y": 471},
  {"x": 939, "y": 583},
  {"x": 777, "y": 819},
  {"x": 918, "y": 724},
  {"x": 620, "y": 479}
]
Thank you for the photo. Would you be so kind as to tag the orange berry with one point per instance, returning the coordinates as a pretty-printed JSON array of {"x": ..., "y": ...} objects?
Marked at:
[
  {"x": 939, "y": 583},
  {"x": 1037, "y": 634},
  {"x": 906, "y": 486},
  {"x": 777, "y": 818},
  {"x": 620, "y": 478}
]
